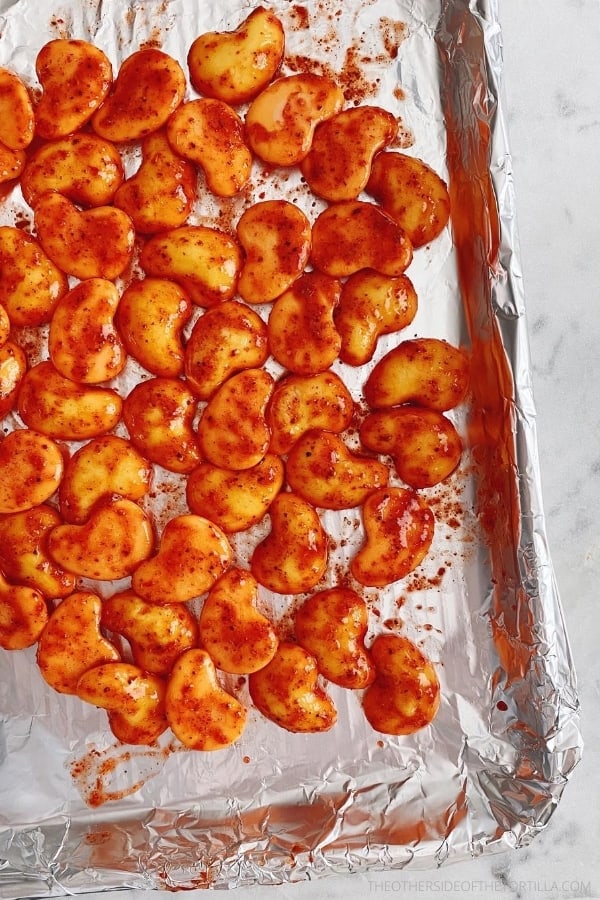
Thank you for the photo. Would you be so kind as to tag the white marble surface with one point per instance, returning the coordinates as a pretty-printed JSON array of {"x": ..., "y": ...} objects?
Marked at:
[{"x": 552, "y": 76}]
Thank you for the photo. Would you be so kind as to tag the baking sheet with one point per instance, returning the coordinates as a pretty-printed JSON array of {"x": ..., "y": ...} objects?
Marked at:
[{"x": 77, "y": 811}]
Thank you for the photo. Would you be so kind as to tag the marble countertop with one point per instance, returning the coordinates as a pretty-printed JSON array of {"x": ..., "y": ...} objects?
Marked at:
[{"x": 552, "y": 74}]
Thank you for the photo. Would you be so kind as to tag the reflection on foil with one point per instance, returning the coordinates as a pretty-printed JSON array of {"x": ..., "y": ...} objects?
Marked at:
[{"x": 79, "y": 813}]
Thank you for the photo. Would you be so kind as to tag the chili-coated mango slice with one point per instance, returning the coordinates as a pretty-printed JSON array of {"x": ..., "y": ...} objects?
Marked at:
[
  {"x": 16, "y": 112},
  {"x": 237, "y": 636},
  {"x": 151, "y": 316},
  {"x": 201, "y": 714},
  {"x": 149, "y": 86},
  {"x": 234, "y": 66},
  {"x": 301, "y": 329},
  {"x": 133, "y": 699},
  {"x": 193, "y": 553},
  {"x": 405, "y": 695},
  {"x": 13, "y": 365},
  {"x": 287, "y": 692},
  {"x": 71, "y": 643},
  {"x": 370, "y": 306},
  {"x": 399, "y": 530},
  {"x": 233, "y": 432}
]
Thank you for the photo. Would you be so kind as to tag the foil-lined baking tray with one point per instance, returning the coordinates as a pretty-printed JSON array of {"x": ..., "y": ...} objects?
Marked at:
[{"x": 78, "y": 812}]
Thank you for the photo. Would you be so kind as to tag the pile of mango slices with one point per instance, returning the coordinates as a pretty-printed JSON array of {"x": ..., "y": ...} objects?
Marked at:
[{"x": 202, "y": 314}]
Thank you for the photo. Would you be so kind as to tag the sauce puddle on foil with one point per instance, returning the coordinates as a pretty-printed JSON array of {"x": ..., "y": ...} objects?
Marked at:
[{"x": 117, "y": 771}]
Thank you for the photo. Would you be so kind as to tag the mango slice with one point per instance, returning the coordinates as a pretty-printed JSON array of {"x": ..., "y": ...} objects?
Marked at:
[
  {"x": 193, "y": 553},
  {"x": 399, "y": 530},
  {"x": 405, "y": 695},
  {"x": 201, "y": 714},
  {"x": 237, "y": 636},
  {"x": 234, "y": 66},
  {"x": 287, "y": 692},
  {"x": 134, "y": 700},
  {"x": 71, "y": 643},
  {"x": 293, "y": 556}
]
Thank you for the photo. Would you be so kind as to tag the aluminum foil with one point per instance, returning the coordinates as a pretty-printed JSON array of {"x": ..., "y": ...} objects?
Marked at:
[{"x": 79, "y": 812}]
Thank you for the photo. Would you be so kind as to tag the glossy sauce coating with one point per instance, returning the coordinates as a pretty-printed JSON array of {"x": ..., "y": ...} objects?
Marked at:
[
  {"x": 399, "y": 529},
  {"x": 24, "y": 554},
  {"x": 332, "y": 625},
  {"x": 238, "y": 637},
  {"x": 32, "y": 466},
  {"x": 287, "y": 692},
  {"x": 71, "y": 642},
  {"x": 75, "y": 77},
  {"x": 149, "y": 86},
  {"x": 201, "y": 714},
  {"x": 405, "y": 695}
]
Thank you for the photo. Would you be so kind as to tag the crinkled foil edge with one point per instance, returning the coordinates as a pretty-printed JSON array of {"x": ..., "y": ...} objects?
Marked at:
[
  {"x": 534, "y": 657},
  {"x": 527, "y": 621}
]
